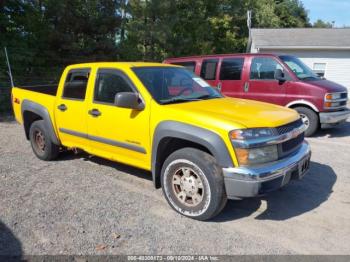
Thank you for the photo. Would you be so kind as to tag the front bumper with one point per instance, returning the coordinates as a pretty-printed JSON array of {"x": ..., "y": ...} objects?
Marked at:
[
  {"x": 253, "y": 181},
  {"x": 328, "y": 119}
]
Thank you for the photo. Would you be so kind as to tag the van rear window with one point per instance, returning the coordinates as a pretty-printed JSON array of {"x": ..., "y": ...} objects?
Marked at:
[
  {"x": 208, "y": 70},
  {"x": 191, "y": 65},
  {"x": 231, "y": 69}
]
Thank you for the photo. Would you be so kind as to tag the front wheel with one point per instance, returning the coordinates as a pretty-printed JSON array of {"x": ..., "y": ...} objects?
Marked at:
[
  {"x": 193, "y": 184},
  {"x": 309, "y": 118}
]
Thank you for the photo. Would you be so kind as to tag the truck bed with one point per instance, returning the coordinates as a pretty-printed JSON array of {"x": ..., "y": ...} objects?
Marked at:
[{"x": 48, "y": 89}]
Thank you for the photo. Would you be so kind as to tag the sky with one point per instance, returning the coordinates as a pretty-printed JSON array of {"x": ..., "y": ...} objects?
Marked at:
[{"x": 329, "y": 10}]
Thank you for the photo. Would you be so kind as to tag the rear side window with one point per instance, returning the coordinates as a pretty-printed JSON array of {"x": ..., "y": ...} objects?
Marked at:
[
  {"x": 191, "y": 65},
  {"x": 231, "y": 69},
  {"x": 76, "y": 83},
  {"x": 109, "y": 83},
  {"x": 263, "y": 68},
  {"x": 208, "y": 70}
]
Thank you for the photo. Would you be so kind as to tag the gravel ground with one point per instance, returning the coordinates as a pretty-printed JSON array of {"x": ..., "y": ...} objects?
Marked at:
[{"x": 86, "y": 205}]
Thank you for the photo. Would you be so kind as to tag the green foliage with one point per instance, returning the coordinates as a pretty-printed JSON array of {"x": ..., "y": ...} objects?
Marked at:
[
  {"x": 322, "y": 24},
  {"x": 43, "y": 36}
]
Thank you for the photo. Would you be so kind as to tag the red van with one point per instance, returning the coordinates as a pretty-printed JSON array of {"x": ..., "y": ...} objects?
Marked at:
[{"x": 277, "y": 79}]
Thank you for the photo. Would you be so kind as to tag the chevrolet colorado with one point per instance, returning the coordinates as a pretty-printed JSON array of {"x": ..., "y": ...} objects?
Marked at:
[{"x": 201, "y": 147}]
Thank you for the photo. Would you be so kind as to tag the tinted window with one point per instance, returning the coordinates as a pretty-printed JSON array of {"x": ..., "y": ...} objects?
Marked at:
[
  {"x": 76, "y": 83},
  {"x": 108, "y": 84},
  {"x": 174, "y": 85},
  {"x": 263, "y": 68},
  {"x": 208, "y": 70},
  {"x": 231, "y": 69},
  {"x": 191, "y": 66}
]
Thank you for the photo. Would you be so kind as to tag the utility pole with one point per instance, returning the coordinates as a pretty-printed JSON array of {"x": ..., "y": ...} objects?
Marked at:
[
  {"x": 9, "y": 67},
  {"x": 249, "y": 25}
]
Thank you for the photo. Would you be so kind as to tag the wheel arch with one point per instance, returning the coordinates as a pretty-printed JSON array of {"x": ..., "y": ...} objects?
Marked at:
[
  {"x": 170, "y": 136},
  {"x": 32, "y": 112},
  {"x": 302, "y": 103}
]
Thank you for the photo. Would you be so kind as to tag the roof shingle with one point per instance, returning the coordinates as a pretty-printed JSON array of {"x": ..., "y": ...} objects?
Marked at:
[{"x": 309, "y": 37}]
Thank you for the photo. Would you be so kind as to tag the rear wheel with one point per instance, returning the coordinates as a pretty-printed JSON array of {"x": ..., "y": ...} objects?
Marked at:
[
  {"x": 193, "y": 184},
  {"x": 41, "y": 143},
  {"x": 309, "y": 118}
]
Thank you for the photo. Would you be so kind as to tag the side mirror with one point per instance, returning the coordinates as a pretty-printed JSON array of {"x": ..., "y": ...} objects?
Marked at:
[
  {"x": 129, "y": 100},
  {"x": 279, "y": 75}
]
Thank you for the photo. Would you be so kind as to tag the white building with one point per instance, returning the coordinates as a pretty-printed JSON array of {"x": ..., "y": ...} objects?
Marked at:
[{"x": 326, "y": 51}]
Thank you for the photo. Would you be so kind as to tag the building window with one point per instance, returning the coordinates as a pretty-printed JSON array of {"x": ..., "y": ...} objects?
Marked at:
[{"x": 320, "y": 68}]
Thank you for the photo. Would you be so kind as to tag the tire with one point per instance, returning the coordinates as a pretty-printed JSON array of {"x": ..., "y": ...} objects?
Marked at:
[
  {"x": 41, "y": 143},
  {"x": 310, "y": 119},
  {"x": 193, "y": 184}
]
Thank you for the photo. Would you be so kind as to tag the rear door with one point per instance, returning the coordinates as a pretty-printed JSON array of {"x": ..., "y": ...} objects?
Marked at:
[
  {"x": 260, "y": 83},
  {"x": 209, "y": 71},
  {"x": 71, "y": 109},
  {"x": 230, "y": 76}
]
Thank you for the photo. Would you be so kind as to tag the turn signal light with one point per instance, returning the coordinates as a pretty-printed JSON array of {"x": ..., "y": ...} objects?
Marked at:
[{"x": 329, "y": 97}]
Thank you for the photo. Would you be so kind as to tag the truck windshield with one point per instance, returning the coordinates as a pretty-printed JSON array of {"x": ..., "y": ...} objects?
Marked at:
[
  {"x": 174, "y": 85},
  {"x": 302, "y": 71}
]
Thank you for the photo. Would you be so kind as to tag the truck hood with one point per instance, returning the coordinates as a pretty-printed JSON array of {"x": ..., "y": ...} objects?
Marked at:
[
  {"x": 233, "y": 112},
  {"x": 328, "y": 86}
]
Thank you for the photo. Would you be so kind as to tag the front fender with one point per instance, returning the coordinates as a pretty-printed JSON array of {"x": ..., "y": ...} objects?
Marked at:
[{"x": 204, "y": 137}]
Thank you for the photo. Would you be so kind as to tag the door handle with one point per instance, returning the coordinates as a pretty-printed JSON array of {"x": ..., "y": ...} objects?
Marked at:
[
  {"x": 219, "y": 86},
  {"x": 94, "y": 112},
  {"x": 246, "y": 87},
  {"x": 62, "y": 107}
]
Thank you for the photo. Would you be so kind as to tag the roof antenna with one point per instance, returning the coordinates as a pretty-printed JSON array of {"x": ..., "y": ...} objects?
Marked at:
[{"x": 9, "y": 67}]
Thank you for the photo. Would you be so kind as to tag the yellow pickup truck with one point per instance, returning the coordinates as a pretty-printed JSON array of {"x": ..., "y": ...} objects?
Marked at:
[{"x": 201, "y": 147}]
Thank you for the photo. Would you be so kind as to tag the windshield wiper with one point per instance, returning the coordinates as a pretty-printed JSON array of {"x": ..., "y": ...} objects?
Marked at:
[
  {"x": 176, "y": 100},
  {"x": 309, "y": 77},
  {"x": 207, "y": 97}
]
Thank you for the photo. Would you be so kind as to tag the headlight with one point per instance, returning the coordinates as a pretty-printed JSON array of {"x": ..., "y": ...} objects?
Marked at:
[
  {"x": 332, "y": 96},
  {"x": 254, "y": 156},
  {"x": 251, "y": 133}
]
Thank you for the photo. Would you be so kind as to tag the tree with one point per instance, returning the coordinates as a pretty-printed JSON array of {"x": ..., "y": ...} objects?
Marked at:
[{"x": 322, "y": 24}]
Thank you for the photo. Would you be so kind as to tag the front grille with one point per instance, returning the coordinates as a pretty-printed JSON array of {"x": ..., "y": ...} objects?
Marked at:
[
  {"x": 288, "y": 147},
  {"x": 288, "y": 127},
  {"x": 292, "y": 143},
  {"x": 344, "y": 95}
]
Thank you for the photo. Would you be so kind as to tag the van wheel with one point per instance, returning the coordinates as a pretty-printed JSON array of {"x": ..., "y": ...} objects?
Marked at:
[
  {"x": 41, "y": 143},
  {"x": 309, "y": 118},
  {"x": 193, "y": 184}
]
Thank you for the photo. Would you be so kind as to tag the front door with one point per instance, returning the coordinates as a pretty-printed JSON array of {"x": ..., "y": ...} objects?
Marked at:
[
  {"x": 120, "y": 134},
  {"x": 261, "y": 84},
  {"x": 70, "y": 110}
]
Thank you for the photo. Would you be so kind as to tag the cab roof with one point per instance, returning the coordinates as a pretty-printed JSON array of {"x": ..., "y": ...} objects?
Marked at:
[{"x": 120, "y": 64}]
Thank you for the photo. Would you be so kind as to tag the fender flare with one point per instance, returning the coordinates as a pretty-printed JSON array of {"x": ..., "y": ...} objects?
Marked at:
[
  {"x": 303, "y": 102},
  {"x": 172, "y": 129},
  {"x": 30, "y": 106}
]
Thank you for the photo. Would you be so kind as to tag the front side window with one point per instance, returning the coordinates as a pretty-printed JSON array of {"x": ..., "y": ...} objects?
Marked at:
[
  {"x": 263, "y": 68},
  {"x": 302, "y": 71},
  {"x": 109, "y": 83},
  {"x": 231, "y": 69},
  {"x": 190, "y": 65},
  {"x": 174, "y": 85},
  {"x": 76, "y": 84},
  {"x": 208, "y": 70}
]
